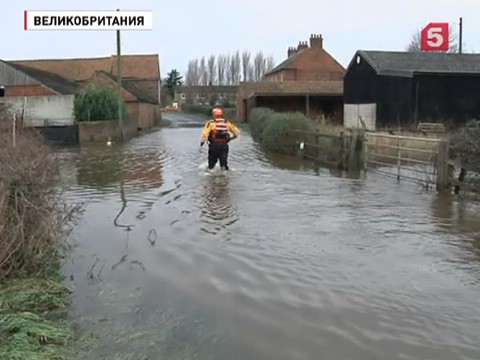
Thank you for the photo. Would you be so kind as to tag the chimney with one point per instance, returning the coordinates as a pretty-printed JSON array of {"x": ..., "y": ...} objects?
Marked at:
[
  {"x": 291, "y": 51},
  {"x": 316, "y": 41},
  {"x": 302, "y": 45}
]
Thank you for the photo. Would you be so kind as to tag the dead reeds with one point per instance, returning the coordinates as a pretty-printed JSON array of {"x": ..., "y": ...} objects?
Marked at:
[{"x": 34, "y": 220}]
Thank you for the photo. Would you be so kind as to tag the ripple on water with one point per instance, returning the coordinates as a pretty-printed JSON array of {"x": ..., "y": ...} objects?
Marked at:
[{"x": 290, "y": 262}]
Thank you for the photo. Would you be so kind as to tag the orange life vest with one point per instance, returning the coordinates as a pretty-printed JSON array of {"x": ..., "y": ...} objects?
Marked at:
[{"x": 219, "y": 133}]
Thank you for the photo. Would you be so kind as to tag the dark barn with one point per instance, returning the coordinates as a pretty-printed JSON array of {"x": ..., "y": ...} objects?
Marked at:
[{"x": 387, "y": 89}]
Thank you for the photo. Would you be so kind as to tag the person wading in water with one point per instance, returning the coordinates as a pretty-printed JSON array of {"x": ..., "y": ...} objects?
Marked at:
[{"x": 217, "y": 133}]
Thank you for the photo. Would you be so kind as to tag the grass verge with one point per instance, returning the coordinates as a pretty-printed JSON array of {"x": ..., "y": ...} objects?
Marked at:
[{"x": 33, "y": 319}]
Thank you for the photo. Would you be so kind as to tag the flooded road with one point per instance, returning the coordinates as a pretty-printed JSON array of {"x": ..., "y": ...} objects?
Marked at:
[{"x": 275, "y": 260}]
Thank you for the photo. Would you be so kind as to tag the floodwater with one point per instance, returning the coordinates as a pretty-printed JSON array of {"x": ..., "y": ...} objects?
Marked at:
[{"x": 275, "y": 260}]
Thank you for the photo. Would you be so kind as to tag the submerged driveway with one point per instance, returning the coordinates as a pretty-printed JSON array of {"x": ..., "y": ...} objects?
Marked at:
[{"x": 274, "y": 260}]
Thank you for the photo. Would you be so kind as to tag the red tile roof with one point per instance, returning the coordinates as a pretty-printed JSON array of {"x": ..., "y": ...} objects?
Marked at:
[{"x": 133, "y": 66}]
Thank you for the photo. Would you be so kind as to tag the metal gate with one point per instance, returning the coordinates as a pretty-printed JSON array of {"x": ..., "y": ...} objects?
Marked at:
[{"x": 406, "y": 158}]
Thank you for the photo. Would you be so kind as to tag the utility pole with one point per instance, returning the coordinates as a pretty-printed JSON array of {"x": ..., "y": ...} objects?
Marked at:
[
  {"x": 119, "y": 79},
  {"x": 460, "y": 38}
]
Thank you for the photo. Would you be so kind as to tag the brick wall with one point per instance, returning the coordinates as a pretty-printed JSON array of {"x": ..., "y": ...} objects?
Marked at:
[
  {"x": 98, "y": 131},
  {"x": 317, "y": 64},
  {"x": 28, "y": 90},
  {"x": 146, "y": 114}
]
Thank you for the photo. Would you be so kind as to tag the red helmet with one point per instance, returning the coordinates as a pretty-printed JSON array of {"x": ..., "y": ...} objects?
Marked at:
[{"x": 217, "y": 112}]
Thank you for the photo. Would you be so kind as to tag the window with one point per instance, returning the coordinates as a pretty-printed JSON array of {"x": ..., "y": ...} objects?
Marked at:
[{"x": 2, "y": 91}]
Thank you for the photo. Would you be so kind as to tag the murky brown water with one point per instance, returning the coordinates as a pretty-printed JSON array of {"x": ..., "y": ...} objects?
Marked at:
[{"x": 275, "y": 260}]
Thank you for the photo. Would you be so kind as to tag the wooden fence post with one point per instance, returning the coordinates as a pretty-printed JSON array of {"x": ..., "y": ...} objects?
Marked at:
[
  {"x": 341, "y": 152},
  {"x": 354, "y": 153},
  {"x": 14, "y": 134},
  {"x": 365, "y": 151},
  {"x": 443, "y": 181},
  {"x": 399, "y": 158},
  {"x": 350, "y": 155}
]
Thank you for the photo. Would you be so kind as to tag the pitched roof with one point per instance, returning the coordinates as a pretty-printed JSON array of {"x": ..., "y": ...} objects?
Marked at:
[
  {"x": 402, "y": 63},
  {"x": 285, "y": 64},
  {"x": 133, "y": 66},
  {"x": 132, "y": 88},
  {"x": 53, "y": 81},
  {"x": 317, "y": 53}
]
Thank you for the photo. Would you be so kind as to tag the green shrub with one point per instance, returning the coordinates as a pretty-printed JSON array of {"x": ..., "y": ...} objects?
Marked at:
[
  {"x": 258, "y": 121},
  {"x": 198, "y": 109},
  {"x": 275, "y": 131},
  {"x": 230, "y": 113},
  {"x": 98, "y": 103},
  {"x": 466, "y": 143}
]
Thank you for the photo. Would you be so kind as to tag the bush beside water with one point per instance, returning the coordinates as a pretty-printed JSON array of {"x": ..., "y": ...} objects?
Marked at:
[
  {"x": 275, "y": 131},
  {"x": 206, "y": 110},
  {"x": 466, "y": 143},
  {"x": 97, "y": 103},
  {"x": 34, "y": 223}
]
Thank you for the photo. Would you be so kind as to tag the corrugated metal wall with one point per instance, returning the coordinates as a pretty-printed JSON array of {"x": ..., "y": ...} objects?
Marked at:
[{"x": 10, "y": 76}]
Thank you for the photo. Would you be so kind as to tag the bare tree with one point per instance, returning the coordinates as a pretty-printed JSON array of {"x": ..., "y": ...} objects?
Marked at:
[
  {"x": 415, "y": 42},
  {"x": 236, "y": 68},
  {"x": 192, "y": 77},
  {"x": 228, "y": 70},
  {"x": 221, "y": 69},
  {"x": 212, "y": 74},
  {"x": 246, "y": 56},
  {"x": 203, "y": 72},
  {"x": 259, "y": 63},
  {"x": 270, "y": 63},
  {"x": 251, "y": 73}
]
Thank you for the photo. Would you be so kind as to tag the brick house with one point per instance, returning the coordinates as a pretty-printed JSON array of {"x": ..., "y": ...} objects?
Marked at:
[
  {"x": 309, "y": 80},
  {"x": 140, "y": 80},
  {"x": 307, "y": 63}
]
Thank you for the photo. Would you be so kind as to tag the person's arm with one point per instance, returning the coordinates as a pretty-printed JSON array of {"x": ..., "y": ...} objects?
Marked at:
[
  {"x": 234, "y": 130},
  {"x": 205, "y": 132}
]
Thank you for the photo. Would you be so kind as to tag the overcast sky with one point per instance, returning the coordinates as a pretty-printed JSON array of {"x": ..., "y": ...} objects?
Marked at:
[{"x": 188, "y": 29}]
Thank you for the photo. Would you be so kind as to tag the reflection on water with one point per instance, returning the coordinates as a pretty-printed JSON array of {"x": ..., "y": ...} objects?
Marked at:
[
  {"x": 276, "y": 259},
  {"x": 103, "y": 167},
  {"x": 218, "y": 211},
  {"x": 100, "y": 167}
]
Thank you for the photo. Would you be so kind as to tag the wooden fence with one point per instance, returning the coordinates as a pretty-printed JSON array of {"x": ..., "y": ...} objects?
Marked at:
[
  {"x": 341, "y": 151},
  {"x": 419, "y": 159}
]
